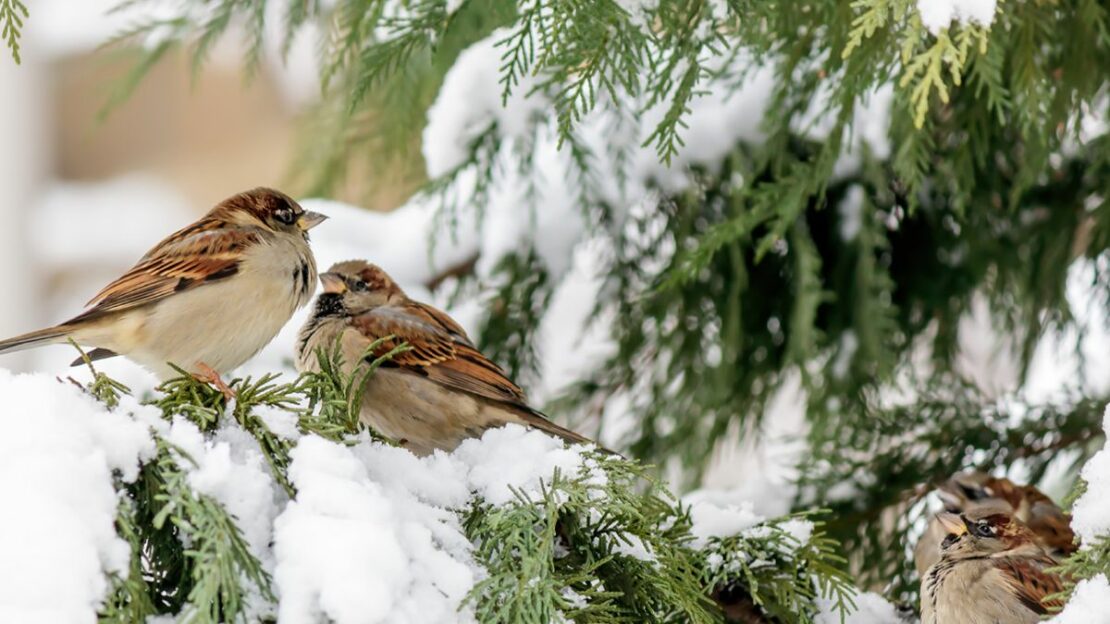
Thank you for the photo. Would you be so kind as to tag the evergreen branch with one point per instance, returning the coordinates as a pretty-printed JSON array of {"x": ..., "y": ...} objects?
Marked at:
[
  {"x": 266, "y": 393},
  {"x": 560, "y": 551},
  {"x": 12, "y": 14},
  {"x": 406, "y": 36},
  {"x": 770, "y": 566},
  {"x": 106, "y": 390},
  {"x": 591, "y": 549},
  {"x": 211, "y": 577},
  {"x": 130, "y": 598},
  {"x": 219, "y": 560},
  {"x": 335, "y": 397}
]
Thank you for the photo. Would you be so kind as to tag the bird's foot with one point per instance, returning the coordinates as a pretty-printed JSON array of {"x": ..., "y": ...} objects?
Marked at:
[{"x": 207, "y": 374}]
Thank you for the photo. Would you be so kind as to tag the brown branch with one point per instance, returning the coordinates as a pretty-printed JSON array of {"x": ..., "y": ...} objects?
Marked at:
[{"x": 465, "y": 267}]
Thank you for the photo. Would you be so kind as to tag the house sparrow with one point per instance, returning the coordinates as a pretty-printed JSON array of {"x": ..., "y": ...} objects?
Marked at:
[
  {"x": 433, "y": 396},
  {"x": 990, "y": 570},
  {"x": 976, "y": 491},
  {"x": 208, "y": 297}
]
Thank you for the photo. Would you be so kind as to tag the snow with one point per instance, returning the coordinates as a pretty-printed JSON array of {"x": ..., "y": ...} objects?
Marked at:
[
  {"x": 57, "y": 521},
  {"x": 1091, "y": 513},
  {"x": 371, "y": 536},
  {"x": 513, "y": 457},
  {"x": 469, "y": 102},
  {"x": 349, "y": 553},
  {"x": 230, "y": 467},
  {"x": 936, "y": 15},
  {"x": 1089, "y": 604},
  {"x": 639, "y": 11},
  {"x": 850, "y": 210},
  {"x": 870, "y": 608},
  {"x": 719, "y": 514}
]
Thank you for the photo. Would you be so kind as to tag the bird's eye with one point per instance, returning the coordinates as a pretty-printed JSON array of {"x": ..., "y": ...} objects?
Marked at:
[
  {"x": 286, "y": 216},
  {"x": 982, "y": 529},
  {"x": 359, "y": 286}
]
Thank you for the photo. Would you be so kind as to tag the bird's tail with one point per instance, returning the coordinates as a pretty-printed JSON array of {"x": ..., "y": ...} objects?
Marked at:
[
  {"x": 50, "y": 335},
  {"x": 539, "y": 421}
]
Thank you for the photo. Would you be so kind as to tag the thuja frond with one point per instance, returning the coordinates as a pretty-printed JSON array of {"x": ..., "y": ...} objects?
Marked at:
[
  {"x": 335, "y": 395},
  {"x": 606, "y": 544},
  {"x": 188, "y": 555},
  {"x": 130, "y": 598},
  {"x": 199, "y": 402},
  {"x": 219, "y": 560},
  {"x": 407, "y": 35},
  {"x": 781, "y": 566},
  {"x": 523, "y": 292},
  {"x": 563, "y": 550},
  {"x": 1089, "y": 561},
  {"x": 12, "y": 14},
  {"x": 265, "y": 393},
  {"x": 106, "y": 390}
]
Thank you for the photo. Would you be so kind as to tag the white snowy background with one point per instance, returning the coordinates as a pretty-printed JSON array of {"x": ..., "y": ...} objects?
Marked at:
[{"x": 370, "y": 538}]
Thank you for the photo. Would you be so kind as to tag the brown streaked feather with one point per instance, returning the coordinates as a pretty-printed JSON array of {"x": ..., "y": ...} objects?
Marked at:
[
  {"x": 1030, "y": 582},
  {"x": 442, "y": 352},
  {"x": 204, "y": 252},
  {"x": 439, "y": 349}
]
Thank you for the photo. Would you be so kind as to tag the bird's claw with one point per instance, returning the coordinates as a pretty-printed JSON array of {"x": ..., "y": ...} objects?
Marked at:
[{"x": 206, "y": 374}]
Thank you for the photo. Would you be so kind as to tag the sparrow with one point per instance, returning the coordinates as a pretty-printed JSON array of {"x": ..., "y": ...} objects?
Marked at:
[
  {"x": 438, "y": 392},
  {"x": 972, "y": 491},
  {"x": 207, "y": 298},
  {"x": 990, "y": 570}
]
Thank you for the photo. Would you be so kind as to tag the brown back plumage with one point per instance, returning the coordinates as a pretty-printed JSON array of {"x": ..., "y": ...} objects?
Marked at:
[{"x": 437, "y": 347}]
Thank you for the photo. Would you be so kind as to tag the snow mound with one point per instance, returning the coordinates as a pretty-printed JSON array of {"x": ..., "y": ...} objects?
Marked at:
[
  {"x": 719, "y": 514},
  {"x": 1088, "y": 603},
  {"x": 372, "y": 536},
  {"x": 57, "y": 522},
  {"x": 1091, "y": 513},
  {"x": 350, "y": 550}
]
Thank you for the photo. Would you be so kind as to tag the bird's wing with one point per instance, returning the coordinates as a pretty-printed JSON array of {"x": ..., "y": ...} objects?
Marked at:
[
  {"x": 204, "y": 252},
  {"x": 441, "y": 352},
  {"x": 1027, "y": 578},
  {"x": 1053, "y": 527},
  {"x": 439, "y": 349}
]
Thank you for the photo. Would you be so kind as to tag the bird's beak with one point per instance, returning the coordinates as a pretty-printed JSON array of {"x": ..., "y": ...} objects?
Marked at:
[
  {"x": 333, "y": 283},
  {"x": 309, "y": 220},
  {"x": 952, "y": 523}
]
